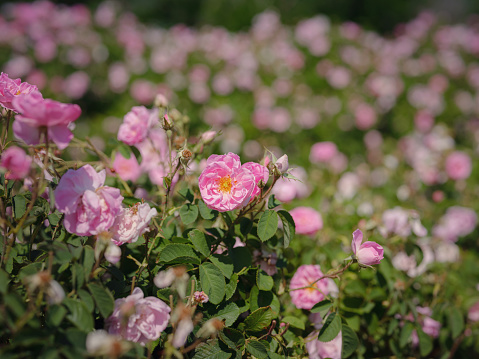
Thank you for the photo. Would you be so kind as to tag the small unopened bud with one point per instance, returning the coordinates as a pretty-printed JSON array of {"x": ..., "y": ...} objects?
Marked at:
[
  {"x": 200, "y": 297},
  {"x": 261, "y": 183},
  {"x": 208, "y": 136},
  {"x": 161, "y": 101},
  {"x": 166, "y": 123},
  {"x": 113, "y": 254},
  {"x": 211, "y": 327},
  {"x": 175, "y": 115},
  {"x": 282, "y": 164}
]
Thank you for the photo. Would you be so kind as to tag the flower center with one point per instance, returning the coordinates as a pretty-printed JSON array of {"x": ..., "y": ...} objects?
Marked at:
[{"x": 224, "y": 184}]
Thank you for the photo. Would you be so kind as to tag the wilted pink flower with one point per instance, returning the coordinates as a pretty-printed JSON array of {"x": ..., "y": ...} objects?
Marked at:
[
  {"x": 322, "y": 350},
  {"x": 136, "y": 124},
  {"x": 305, "y": 276},
  {"x": 307, "y": 220},
  {"x": 259, "y": 172},
  {"x": 138, "y": 319},
  {"x": 225, "y": 185},
  {"x": 200, "y": 297},
  {"x": 127, "y": 169},
  {"x": 458, "y": 165},
  {"x": 9, "y": 89},
  {"x": 367, "y": 253},
  {"x": 35, "y": 113},
  {"x": 132, "y": 222},
  {"x": 16, "y": 162},
  {"x": 323, "y": 152},
  {"x": 89, "y": 207}
]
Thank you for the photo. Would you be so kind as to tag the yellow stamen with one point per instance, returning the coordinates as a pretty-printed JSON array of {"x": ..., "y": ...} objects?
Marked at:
[{"x": 224, "y": 184}]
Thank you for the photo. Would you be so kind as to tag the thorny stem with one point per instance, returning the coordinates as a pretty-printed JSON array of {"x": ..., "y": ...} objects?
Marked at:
[{"x": 331, "y": 275}]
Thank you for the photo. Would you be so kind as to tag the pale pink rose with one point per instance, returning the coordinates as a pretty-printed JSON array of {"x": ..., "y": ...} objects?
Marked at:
[
  {"x": 306, "y": 275},
  {"x": 323, "y": 350},
  {"x": 365, "y": 116},
  {"x": 132, "y": 222},
  {"x": 322, "y": 152},
  {"x": 457, "y": 222},
  {"x": 35, "y": 113},
  {"x": 431, "y": 327},
  {"x": 473, "y": 314},
  {"x": 458, "y": 165},
  {"x": 143, "y": 91},
  {"x": 396, "y": 221},
  {"x": 138, "y": 319},
  {"x": 288, "y": 189},
  {"x": 16, "y": 162},
  {"x": 259, "y": 172},
  {"x": 113, "y": 253},
  {"x": 307, "y": 220},
  {"x": 423, "y": 121},
  {"x": 225, "y": 185},
  {"x": 127, "y": 169},
  {"x": 10, "y": 88},
  {"x": 367, "y": 253},
  {"x": 89, "y": 207},
  {"x": 136, "y": 125}
]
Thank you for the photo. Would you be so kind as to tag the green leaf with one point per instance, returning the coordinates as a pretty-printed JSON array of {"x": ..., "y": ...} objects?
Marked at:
[
  {"x": 206, "y": 213},
  {"x": 19, "y": 206},
  {"x": 259, "y": 320},
  {"x": 200, "y": 242},
  {"x": 188, "y": 213},
  {"x": 124, "y": 150},
  {"x": 4, "y": 280},
  {"x": 273, "y": 202},
  {"x": 79, "y": 315},
  {"x": 350, "y": 341},
  {"x": 54, "y": 218},
  {"x": 456, "y": 322},
  {"x": 294, "y": 322},
  {"x": 178, "y": 252},
  {"x": 231, "y": 286},
  {"x": 267, "y": 225},
  {"x": 210, "y": 351},
  {"x": 55, "y": 315},
  {"x": 322, "y": 307},
  {"x": 257, "y": 349},
  {"x": 224, "y": 263},
  {"x": 246, "y": 225},
  {"x": 232, "y": 338},
  {"x": 241, "y": 257},
  {"x": 212, "y": 282},
  {"x": 103, "y": 299},
  {"x": 289, "y": 228},
  {"x": 331, "y": 328},
  {"x": 230, "y": 312},
  {"x": 87, "y": 299},
  {"x": 187, "y": 194},
  {"x": 405, "y": 335},
  {"x": 265, "y": 282},
  {"x": 425, "y": 342}
]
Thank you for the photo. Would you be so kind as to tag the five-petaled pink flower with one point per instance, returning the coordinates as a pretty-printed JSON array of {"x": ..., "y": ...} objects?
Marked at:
[
  {"x": 89, "y": 207},
  {"x": 16, "y": 162},
  {"x": 225, "y": 185},
  {"x": 37, "y": 113},
  {"x": 138, "y": 319},
  {"x": 367, "y": 253},
  {"x": 10, "y": 88},
  {"x": 313, "y": 291}
]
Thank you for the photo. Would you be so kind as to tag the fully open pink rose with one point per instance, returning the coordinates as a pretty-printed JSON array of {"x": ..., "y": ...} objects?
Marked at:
[
  {"x": 37, "y": 113},
  {"x": 89, "y": 207},
  {"x": 138, "y": 319},
  {"x": 132, "y": 223},
  {"x": 259, "y": 172},
  {"x": 16, "y": 162},
  {"x": 10, "y": 88},
  {"x": 127, "y": 169},
  {"x": 224, "y": 184},
  {"x": 307, "y": 220},
  {"x": 458, "y": 165},
  {"x": 136, "y": 125},
  {"x": 367, "y": 253},
  {"x": 305, "y": 276}
]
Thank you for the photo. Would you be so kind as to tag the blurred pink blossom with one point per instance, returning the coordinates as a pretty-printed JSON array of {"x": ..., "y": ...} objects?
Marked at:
[
  {"x": 307, "y": 275},
  {"x": 458, "y": 165},
  {"x": 127, "y": 169},
  {"x": 16, "y": 163},
  {"x": 307, "y": 220}
]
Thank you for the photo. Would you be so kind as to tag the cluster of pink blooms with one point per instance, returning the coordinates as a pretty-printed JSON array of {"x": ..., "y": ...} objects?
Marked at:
[{"x": 226, "y": 185}]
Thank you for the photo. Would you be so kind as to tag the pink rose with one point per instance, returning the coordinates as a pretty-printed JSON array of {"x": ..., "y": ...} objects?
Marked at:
[
  {"x": 282, "y": 164},
  {"x": 16, "y": 162},
  {"x": 458, "y": 165},
  {"x": 259, "y": 172},
  {"x": 89, "y": 207},
  {"x": 457, "y": 222},
  {"x": 127, "y": 169},
  {"x": 307, "y": 220},
  {"x": 136, "y": 125},
  {"x": 9, "y": 89},
  {"x": 473, "y": 314},
  {"x": 287, "y": 189},
  {"x": 367, "y": 253},
  {"x": 35, "y": 113},
  {"x": 225, "y": 185},
  {"x": 132, "y": 222},
  {"x": 305, "y": 276},
  {"x": 322, "y": 152},
  {"x": 322, "y": 350},
  {"x": 138, "y": 319}
]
